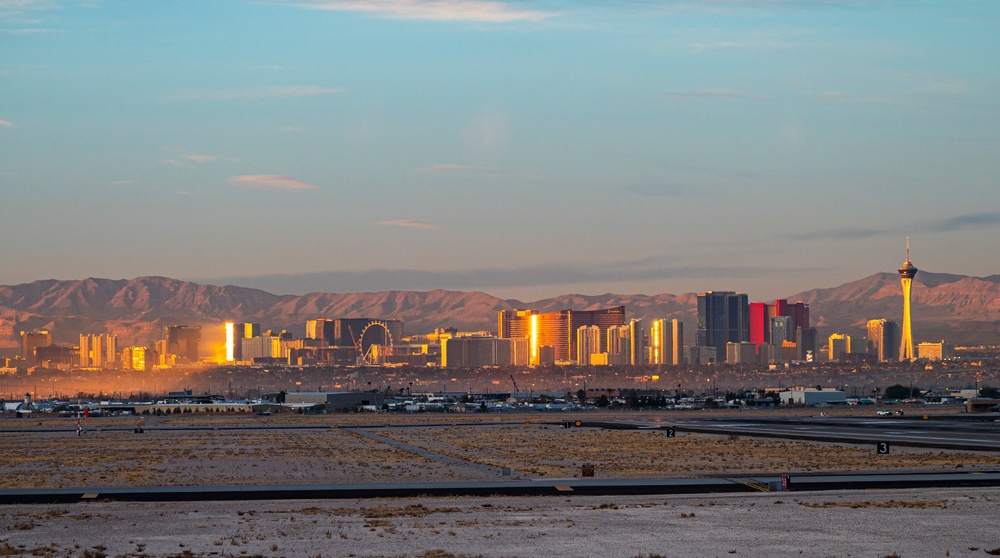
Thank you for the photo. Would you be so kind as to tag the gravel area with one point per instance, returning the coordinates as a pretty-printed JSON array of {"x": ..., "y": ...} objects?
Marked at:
[{"x": 939, "y": 522}]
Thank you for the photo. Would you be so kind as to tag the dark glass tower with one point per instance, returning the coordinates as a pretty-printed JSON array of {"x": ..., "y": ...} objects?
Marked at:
[{"x": 723, "y": 317}]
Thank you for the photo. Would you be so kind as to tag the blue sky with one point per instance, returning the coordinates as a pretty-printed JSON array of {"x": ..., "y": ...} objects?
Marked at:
[{"x": 525, "y": 149}]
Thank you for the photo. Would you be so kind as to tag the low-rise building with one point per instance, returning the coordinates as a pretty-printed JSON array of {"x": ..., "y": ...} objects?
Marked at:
[{"x": 813, "y": 397}]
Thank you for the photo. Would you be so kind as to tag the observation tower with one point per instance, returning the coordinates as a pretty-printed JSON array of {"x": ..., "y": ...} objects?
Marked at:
[{"x": 906, "y": 274}]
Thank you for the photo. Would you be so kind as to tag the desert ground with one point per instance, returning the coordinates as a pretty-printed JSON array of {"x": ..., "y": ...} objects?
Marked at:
[
  {"x": 939, "y": 522},
  {"x": 431, "y": 448},
  {"x": 417, "y": 448}
]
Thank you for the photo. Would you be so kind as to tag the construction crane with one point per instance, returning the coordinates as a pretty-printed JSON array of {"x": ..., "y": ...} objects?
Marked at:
[{"x": 515, "y": 384}]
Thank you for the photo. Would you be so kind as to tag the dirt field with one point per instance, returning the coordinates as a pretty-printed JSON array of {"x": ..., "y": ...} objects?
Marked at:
[
  {"x": 103, "y": 457},
  {"x": 939, "y": 522},
  {"x": 921, "y": 524}
]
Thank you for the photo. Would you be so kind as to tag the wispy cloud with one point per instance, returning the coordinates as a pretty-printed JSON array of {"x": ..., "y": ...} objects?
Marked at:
[
  {"x": 951, "y": 224},
  {"x": 489, "y": 278},
  {"x": 270, "y": 181},
  {"x": 25, "y": 31},
  {"x": 5, "y": 123},
  {"x": 19, "y": 6},
  {"x": 432, "y": 10},
  {"x": 408, "y": 223},
  {"x": 454, "y": 168},
  {"x": 970, "y": 221},
  {"x": 844, "y": 233},
  {"x": 201, "y": 158},
  {"x": 710, "y": 94},
  {"x": 253, "y": 93}
]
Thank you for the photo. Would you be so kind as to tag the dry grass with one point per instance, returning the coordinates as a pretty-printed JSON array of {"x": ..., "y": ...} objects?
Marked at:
[
  {"x": 102, "y": 458},
  {"x": 557, "y": 452}
]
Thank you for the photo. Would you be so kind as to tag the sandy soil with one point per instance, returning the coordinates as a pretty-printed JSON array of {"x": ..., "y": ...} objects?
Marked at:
[
  {"x": 103, "y": 457},
  {"x": 940, "y": 522}
]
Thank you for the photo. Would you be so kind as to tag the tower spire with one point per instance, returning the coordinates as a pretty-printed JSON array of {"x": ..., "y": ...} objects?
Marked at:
[{"x": 906, "y": 274}]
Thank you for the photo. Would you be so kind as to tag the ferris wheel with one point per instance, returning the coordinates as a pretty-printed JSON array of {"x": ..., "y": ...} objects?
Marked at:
[{"x": 375, "y": 341}]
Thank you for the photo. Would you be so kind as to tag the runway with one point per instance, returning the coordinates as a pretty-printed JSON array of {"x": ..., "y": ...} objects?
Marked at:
[
  {"x": 952, "y": 432},
  {"x": 546, "y": 487}
]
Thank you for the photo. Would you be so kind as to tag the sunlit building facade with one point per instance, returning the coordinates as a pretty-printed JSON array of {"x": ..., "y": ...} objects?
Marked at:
[
  {"x": 637, "y": 351},
  {"x": 236, "y": 332},
  {"x": 138, "y": 358},
  {"x": 935, "y": 351},
  {"x": 839, "y": 346},
  {"x": 98, "y": 351},
  {"x": 555, "y": 329},
  {"x": 659, "y": 341},
  {"x": 30, "y": 341},
  {"x": 588, "y": 342},
  {"x": 883, "y": 339},
  {"x": 619, "y": 343},
  {"x": 906, "y": 274}
]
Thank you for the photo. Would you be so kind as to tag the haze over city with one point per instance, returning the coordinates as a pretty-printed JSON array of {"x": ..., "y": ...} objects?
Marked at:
[{"x": 526, "y": 149}]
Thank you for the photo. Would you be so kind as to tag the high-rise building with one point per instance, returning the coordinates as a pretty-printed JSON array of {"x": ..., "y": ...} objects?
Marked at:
[
  {"x": 759, "y": 327},
  {"x": 235, "y": 334},
  {"x": 883, "y": 339},
  {"x": 31, "y": 340},
  {"x": 741, "y": 353},
  {"x": 800, "y": 315},
  {"x": 637, "y": 338},
  {"x": 805, "y": 344},
  {"x": 555, "y": 329},
  {"x": 322, "y": 330},
  {"x": 839, "y": 346},
  {"x": 138, "y": 358},
  {"x": 659, "y": 342},
  {"x": 98, "y": 351},
  {"x": 723, "y": 317},
  {"x": 935, "y": 351},
  {"x": 676, "y": 348},
  {"x": 588, "y": 342},
  {"x": 618, "y": 345},
  {"x": 798, "y": 312},
  {"x": 906, "y": 274},
  {"x": 473, "y": 351},
  {"x": 182, "y": 342},
  {"x": 264, "y": 346},
  {"x": 782, "y": 329}
]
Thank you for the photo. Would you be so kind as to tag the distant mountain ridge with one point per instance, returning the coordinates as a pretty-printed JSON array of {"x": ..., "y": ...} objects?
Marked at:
[{"x": 961, "y": 309}]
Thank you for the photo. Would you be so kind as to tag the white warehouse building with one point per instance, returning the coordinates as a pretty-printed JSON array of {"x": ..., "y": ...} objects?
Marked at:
[{"x": 813, "y": 397}]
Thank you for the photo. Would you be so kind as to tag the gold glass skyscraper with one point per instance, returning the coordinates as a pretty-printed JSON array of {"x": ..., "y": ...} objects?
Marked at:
[
  {"x": 906, "y": 273},
  {"x": 555, "y": 329}
]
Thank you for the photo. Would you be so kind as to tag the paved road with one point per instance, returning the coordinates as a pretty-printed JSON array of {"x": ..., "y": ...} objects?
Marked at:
[
  {"x": 972, "y": 433},
  {"x": 546, "y": 487}
]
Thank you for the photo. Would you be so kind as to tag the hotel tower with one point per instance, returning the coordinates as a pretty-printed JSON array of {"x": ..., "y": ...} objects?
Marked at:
[{"x": 906, "y": 273}]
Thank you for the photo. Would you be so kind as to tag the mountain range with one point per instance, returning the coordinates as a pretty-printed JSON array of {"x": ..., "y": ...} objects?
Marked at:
[{"x": 956, "y": 308}]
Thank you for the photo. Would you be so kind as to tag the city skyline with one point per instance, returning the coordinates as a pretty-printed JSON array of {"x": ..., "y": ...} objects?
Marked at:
[{"x": 522, "y": 149}]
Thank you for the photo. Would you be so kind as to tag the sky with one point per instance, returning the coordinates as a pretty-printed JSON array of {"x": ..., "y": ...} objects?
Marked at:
[{"x": 524, "y": 149}]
